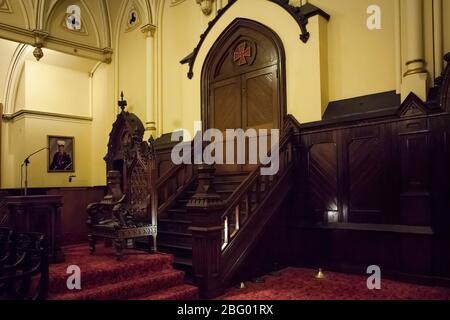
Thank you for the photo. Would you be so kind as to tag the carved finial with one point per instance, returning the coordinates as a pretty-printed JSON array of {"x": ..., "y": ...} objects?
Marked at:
[
  {"x": 151, "y": 145},
  {"x": 122, "y": 103},
  {"x": 447, "y": 57}
]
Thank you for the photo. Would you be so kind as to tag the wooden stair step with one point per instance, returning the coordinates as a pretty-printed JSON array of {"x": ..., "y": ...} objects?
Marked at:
[
  {"x": 172, "y": 221},
  {"x": 127, "y": 289},
  {"x": 175, "y": 237},
  {"x": 177, "y": 250}
]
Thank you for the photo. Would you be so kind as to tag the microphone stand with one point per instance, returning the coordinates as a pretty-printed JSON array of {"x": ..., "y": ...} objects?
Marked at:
[{"x": 25, "y": 164}]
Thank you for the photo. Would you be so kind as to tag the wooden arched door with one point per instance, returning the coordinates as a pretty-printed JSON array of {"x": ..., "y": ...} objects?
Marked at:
[{"x": 243, "y": 79}]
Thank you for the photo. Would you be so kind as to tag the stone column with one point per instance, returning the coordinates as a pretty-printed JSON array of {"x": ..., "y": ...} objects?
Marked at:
[
  {"x": 150, "y": 122},
  {"x": 438, "y": 38},
  {"x": 415, "y": 79}
]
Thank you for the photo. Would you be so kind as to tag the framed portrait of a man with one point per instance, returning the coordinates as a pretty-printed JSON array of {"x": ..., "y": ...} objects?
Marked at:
[{"x": 61, "y": 156}]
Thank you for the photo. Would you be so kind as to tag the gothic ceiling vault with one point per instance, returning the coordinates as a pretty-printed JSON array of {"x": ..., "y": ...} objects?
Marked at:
[{"x": 82, "y": 27}]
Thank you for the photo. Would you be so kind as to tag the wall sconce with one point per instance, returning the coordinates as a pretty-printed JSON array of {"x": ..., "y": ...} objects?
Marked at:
[{"x": 206, "y": 6}]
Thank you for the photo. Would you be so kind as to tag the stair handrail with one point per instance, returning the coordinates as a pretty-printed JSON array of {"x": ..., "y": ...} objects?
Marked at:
[
  {"x": 171, "y": 175},
  {"x": 254, "y": 174},
  {"x": 233, "y": 201}
]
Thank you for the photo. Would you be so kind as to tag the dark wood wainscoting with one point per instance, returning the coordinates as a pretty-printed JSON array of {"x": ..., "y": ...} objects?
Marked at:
[
  {"x": 73, "y": 212},
  {"x": 73, "y": 215},
  {"x": 377, "y": 192}
]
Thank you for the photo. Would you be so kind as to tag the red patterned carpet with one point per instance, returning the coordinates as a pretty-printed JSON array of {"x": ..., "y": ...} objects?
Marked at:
[
  {"x": 300, "y": 284},
  {"x": 140, "y": 276},
  {"x": 144, "y": 276}
]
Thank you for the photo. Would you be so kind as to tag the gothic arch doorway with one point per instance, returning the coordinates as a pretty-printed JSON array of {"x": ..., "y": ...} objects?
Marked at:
[
  {"x": 243, "y": 79},
  {"x": 243, "y": 84}
]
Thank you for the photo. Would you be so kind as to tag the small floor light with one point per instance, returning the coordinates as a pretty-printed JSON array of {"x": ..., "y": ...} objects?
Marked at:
[
  {"x": 320, "y": 274},
  {"x": 242, "y": 286}
]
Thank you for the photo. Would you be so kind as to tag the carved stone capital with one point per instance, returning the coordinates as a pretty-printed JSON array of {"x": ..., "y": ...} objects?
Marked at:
[{"x": 149, "y": 30}]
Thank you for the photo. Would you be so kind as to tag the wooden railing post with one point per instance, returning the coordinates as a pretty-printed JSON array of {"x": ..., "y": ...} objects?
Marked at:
[
  {"x": 154, "y": 204},
  {"x": 206, "y": 208}
]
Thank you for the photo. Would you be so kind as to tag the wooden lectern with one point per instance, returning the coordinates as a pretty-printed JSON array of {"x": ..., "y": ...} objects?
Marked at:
[{"x": 38, "y": 214}]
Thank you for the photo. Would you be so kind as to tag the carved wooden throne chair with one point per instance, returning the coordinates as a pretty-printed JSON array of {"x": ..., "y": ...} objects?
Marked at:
[{"x": 125, "y": 213}]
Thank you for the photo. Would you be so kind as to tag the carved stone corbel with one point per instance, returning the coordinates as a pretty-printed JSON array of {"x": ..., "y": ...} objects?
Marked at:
[
  {"x": 206, "y": 6},
  {"x": 107, "y": 53},
  {"x": 39, "y": 39}
]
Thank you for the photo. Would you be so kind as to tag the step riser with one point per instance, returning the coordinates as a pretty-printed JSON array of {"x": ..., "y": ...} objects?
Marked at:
[
  {"x": 99, "y": 278},
  {"x": 177, "y": 252},
  {"x": 174, "y": 227},
  {"x": 225, "y": 184},
  {"x": 174, "y": 239},
  {"x": 128, "y": 291},
  {"x": 175, "y": 215}
]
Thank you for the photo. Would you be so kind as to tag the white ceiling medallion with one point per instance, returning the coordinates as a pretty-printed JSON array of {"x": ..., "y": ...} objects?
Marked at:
[{"x": 5, "y": 6}]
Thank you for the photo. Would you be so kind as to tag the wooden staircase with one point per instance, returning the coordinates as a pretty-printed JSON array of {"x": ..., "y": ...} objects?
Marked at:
[
  {"x": 210, "y": 220},
  {"x": 174, "y": 236}
]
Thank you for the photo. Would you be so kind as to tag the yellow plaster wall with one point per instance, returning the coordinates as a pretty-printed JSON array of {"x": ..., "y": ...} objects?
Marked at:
[
  {"x": 54, "y": 89},
  {"x": 36, "y": 130},
  {"x": 6, "y": 51},
  {"x": 131, "y": 65},
  {"x": 103, "y": 117},
  {"x": 446, "y": 11},
  {"x": 359, "y": 61},
  {"x": 67, "y": 92},
  {"x": 13, "y": 136}
]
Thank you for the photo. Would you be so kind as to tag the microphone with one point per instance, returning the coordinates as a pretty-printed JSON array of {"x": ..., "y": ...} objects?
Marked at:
[{"x": 25, "y": 164}]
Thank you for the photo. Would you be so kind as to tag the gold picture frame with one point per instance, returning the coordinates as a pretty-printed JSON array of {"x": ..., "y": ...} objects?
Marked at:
[{"x": 61, "y": 162}]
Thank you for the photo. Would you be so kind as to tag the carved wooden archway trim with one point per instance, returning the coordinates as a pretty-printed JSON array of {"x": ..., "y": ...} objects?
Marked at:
[
  {"x": 217, "y": 53},
  {"x": 300, "y": 14}
]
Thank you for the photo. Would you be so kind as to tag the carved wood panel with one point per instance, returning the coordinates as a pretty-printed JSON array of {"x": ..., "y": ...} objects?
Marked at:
[
  {"x": 260, "y": 99},
  {"x": 365, "y": 180},
  {"x": 415, "y": 201},
  {"x": 226, "y": 104},
  {"x": 393, "y": 172},
  {"x": 322, "y": 178}
]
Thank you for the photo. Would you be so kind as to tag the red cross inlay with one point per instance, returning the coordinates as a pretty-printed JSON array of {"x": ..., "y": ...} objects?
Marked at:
[{"x": 242, "y": 52}]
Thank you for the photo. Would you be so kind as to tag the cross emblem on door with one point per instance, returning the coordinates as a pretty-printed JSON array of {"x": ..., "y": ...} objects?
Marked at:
[{"x": 242, "y": 52}]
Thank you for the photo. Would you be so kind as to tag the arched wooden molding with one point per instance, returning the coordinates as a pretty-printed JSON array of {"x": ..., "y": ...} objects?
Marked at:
[{"x": 300, "y": 14}]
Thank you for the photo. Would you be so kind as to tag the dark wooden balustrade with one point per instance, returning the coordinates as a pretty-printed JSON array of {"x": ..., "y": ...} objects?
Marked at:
[
  {"x": 224, "y": 232},
  {"x": 3, "y": 209},
  {"x": 23, "y": 266}
]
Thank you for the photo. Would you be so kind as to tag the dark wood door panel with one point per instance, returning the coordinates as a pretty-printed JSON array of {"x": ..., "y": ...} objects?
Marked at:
[
  {"x": 226, "y": 105},
  {"x": 260, "y": 99}
]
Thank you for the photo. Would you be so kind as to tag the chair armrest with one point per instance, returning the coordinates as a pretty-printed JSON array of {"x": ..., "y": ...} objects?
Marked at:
[{"x": 100, "y": 211}]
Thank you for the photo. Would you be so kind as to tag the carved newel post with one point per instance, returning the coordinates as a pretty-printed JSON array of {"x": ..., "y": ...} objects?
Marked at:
[{"x": 206, "y": 208}]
